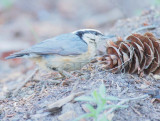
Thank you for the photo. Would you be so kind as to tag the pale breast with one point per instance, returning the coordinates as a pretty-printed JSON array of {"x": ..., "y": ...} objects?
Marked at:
[{"x": 68, "y": 63}]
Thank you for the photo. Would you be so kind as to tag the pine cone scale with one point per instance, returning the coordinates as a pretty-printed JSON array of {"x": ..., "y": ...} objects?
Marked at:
[
  {"x": 140, "y": 53},
  {"x": 149, "y": 54}
]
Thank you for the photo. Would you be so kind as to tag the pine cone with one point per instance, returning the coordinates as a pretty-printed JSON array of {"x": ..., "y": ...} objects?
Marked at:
[{"x": 140, "y": 53}]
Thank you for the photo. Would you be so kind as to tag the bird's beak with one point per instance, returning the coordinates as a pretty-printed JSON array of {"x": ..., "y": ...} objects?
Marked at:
[{"x": 108, "y": 36}]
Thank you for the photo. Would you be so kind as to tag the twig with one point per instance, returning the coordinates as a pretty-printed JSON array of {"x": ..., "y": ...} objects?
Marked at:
[
  {"x": 145, "y": 27},
  {"x": 58, "y": 104},
  {"x": 142, "y": 28},
  {"x": 136, "y": 111},
  {"x": 125, "y": 90},
  {"x": 43, "y": 88},
  {"x": 24, "y": 82},
  {"x": 75, "y": 85},
  {"x": 126, "y": 100}
]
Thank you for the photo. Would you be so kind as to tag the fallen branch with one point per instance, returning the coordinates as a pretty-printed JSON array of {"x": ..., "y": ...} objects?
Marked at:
[{"x": 58, "y": 104}]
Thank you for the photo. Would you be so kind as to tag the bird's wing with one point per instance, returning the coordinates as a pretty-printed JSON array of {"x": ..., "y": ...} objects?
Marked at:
[{"x": 66, "y": 44}]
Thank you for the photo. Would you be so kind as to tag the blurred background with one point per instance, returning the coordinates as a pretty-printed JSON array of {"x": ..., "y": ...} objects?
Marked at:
[{"x": 25, "y": 22}]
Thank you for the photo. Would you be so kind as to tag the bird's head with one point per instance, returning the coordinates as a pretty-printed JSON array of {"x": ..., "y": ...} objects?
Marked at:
[{"x": 91, "y": 36}]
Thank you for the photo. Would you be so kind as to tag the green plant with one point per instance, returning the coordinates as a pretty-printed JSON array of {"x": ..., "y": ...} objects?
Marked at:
[
  {"x": 156, "y": 2},
  {"x": 7, "y": 3},
  {"x": 100, "y": 99}
]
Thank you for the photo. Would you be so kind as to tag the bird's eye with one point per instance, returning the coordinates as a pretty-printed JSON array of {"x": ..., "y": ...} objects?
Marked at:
[
  {"x": 92, "y": 39},
  {"x": 96, "y": 33}
]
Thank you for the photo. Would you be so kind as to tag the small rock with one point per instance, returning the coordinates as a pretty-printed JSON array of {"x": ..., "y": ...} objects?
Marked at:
[
  {"x": 157, "y": 77},
  {"x": 67, "y": 116},
  {"x": 30, "y": 92}
]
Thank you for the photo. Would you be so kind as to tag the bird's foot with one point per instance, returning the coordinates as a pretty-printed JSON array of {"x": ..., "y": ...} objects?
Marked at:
[{"x": 67, "y": 75}]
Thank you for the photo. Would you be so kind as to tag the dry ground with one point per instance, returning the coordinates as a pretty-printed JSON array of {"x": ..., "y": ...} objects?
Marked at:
[{"x": 30, "y": 101}]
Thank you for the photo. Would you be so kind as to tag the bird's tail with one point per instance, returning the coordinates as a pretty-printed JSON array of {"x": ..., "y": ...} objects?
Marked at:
[
  {"x": 14, "y": 56},
  {"x": 17, "y": 55}
]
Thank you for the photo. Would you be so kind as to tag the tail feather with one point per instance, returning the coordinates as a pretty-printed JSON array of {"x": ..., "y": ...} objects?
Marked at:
[
  {"x": 20, "y": 54},
  {"x": 14, "y": 56}
]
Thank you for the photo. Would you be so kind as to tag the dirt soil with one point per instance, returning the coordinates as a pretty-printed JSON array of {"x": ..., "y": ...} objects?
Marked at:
[{"x": 31, "y": 101}]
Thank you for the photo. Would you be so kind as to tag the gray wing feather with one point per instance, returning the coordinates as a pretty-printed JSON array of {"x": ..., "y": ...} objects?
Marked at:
[{"x": 65, "y": 44}]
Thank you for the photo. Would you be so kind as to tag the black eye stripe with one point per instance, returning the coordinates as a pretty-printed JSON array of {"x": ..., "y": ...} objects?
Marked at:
[
  {"x": 96, "y": 33},
  {"x": 80, "y": 33}
]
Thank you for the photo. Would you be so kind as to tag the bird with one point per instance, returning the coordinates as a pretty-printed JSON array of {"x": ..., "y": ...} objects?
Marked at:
[{"x": 65, "y": 52}]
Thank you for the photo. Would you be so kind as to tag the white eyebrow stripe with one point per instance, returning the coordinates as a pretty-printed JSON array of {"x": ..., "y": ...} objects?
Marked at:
[{"x": 86, "y": 30}]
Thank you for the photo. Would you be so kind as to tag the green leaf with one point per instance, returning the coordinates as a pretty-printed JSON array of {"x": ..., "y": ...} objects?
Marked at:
[
  {"x": 90, "y": 108},
  {"x": 100, "y": 99},
  {"x": 102, "y": 91},
  {"x": 100, "y": 109},
  {"x": 7, "y": 3},
  {"x": 85, "y": 99},
  {"x": 95, "y": 96},
  {"x": 115, "y": 106}
]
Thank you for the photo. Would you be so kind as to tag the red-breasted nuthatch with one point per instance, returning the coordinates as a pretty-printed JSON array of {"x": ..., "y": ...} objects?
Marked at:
[{"x": 66, "y": 52}]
